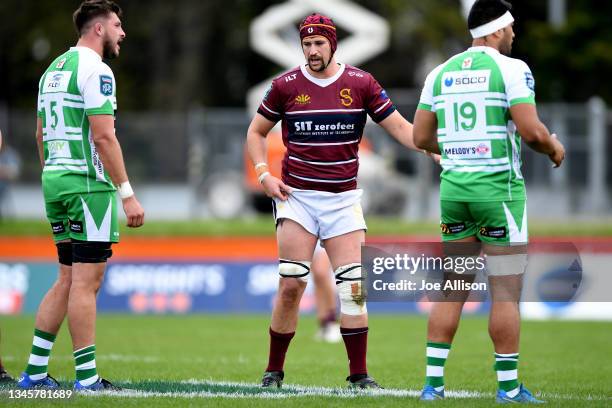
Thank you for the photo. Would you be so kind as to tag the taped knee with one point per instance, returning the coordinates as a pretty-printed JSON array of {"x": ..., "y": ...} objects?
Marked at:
[
  {"x": 91, "y": 252},
  {"x": 294, "y": 269},
  {"x": 351, "y": 289},
  {"x": 64, "y": 253},
  {"x": 502, "y": 265}
]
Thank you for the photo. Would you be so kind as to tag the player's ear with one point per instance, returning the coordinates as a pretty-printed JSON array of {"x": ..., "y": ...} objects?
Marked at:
[
  {"x": 498, "y": 34},
  {"x": 98, "y": 28}
]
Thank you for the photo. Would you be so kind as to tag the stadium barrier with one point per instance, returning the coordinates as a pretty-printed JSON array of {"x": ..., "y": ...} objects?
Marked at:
[{"x": 226, "y": 275}]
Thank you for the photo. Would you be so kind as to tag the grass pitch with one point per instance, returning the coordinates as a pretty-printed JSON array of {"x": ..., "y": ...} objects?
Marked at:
[
  {"x": 206, "y": 360},
  {"x": 264, "y": 226}
]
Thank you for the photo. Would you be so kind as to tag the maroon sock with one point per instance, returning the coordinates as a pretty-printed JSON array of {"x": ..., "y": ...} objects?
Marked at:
[
  {"x": 356, "y": 342},
  {"x": 279, "y": 343}
]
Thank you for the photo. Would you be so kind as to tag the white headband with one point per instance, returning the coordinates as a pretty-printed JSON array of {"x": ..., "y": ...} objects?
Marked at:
[{"x": 492, "y": 26}]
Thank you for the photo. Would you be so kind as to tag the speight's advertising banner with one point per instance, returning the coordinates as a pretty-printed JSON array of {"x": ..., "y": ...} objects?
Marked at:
[{"x": 561, "y": 280}]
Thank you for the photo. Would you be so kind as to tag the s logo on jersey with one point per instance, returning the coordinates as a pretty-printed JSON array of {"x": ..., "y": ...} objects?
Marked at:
[
  {"x": 345, "y": 97},
  {"x": 302, "y": 99}
]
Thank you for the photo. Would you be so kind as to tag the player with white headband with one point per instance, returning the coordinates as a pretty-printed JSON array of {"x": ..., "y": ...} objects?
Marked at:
[{"x": 475, "y": 109}]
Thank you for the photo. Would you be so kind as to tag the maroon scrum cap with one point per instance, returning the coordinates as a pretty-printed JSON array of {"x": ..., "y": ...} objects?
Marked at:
[{"x": 318, "y": 24}]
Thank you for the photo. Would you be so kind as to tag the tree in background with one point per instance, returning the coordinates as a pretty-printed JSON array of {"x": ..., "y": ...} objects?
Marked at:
[{"x": 189, "y": 53}]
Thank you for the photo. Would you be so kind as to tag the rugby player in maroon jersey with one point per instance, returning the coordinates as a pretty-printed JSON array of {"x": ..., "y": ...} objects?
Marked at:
[{"x": 323, "y": 106}]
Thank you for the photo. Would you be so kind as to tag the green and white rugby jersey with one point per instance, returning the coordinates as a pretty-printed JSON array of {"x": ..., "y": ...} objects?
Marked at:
[
  {"x": 471, "y": 94},
  {"x": 76, "y": 85}
]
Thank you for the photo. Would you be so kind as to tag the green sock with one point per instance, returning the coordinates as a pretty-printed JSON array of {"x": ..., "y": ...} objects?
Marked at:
[
  {"x": 506, "y": 366},
  {"x": 437, "y": 353},
  {"x": 85, "y": 364},
  {"x": 39, "y": 357}
]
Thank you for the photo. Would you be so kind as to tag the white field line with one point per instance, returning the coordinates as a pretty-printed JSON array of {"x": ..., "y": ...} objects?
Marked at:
[
  {"x": 321, "y": 392},
  {"x": 305, "y": 392},
  {"x": 295, "y": 391}
]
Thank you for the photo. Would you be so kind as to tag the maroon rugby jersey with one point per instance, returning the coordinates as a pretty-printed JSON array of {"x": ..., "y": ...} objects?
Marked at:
[{"x": 322, "y": 124}]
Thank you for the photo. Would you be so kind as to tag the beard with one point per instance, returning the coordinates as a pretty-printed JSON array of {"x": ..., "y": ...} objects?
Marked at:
[
  {"x": 323, "y": 65},
  {"x": 108, "y": 49},
  {"x": 506, "y": 49}
]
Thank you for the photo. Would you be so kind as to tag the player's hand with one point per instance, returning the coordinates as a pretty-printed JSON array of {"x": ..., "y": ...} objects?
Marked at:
[
  {"x": 433, "y": 156},
  {"x": 558, "y": 154},
  {"x": 274, "y": 187},
  {"x": 133, "y": 211}
]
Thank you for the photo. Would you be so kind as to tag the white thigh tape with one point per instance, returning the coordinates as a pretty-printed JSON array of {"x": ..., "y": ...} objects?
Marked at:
[
  {"x": 502, "y": 265},
  {"x": 294, "y": 269}
]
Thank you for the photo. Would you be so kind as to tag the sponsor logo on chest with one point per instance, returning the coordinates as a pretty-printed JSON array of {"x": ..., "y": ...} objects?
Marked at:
[
  {"x": 466, "y": 81},
  {"x": 309, "y": 125}
]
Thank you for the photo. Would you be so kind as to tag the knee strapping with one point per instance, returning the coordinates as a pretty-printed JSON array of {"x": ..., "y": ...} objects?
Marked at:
[
  {"x": 91, "y": 251},
  {"x": 294, "y": 269},
  {"x": 502, "y": 265},
  {"x": 351, "y": 289}
]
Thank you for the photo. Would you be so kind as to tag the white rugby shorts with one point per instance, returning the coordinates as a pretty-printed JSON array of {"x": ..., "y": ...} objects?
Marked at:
[{"x": 323, "y": 214}]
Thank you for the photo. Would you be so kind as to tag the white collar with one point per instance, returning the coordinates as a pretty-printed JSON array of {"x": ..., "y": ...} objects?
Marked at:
[
  {"x": 85, "y": 49},
  {"x": 322, "y": 82}
]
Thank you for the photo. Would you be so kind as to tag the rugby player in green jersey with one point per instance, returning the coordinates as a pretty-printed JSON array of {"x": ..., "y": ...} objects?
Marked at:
[
  {"x": 474, "y": 110},
  {"x": 82, "y": 168}
]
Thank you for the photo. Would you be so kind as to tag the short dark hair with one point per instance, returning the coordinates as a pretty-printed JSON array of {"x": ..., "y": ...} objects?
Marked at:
[
  {"x": 90, "y": 9},
  {"x": 485, "y": 11}
]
